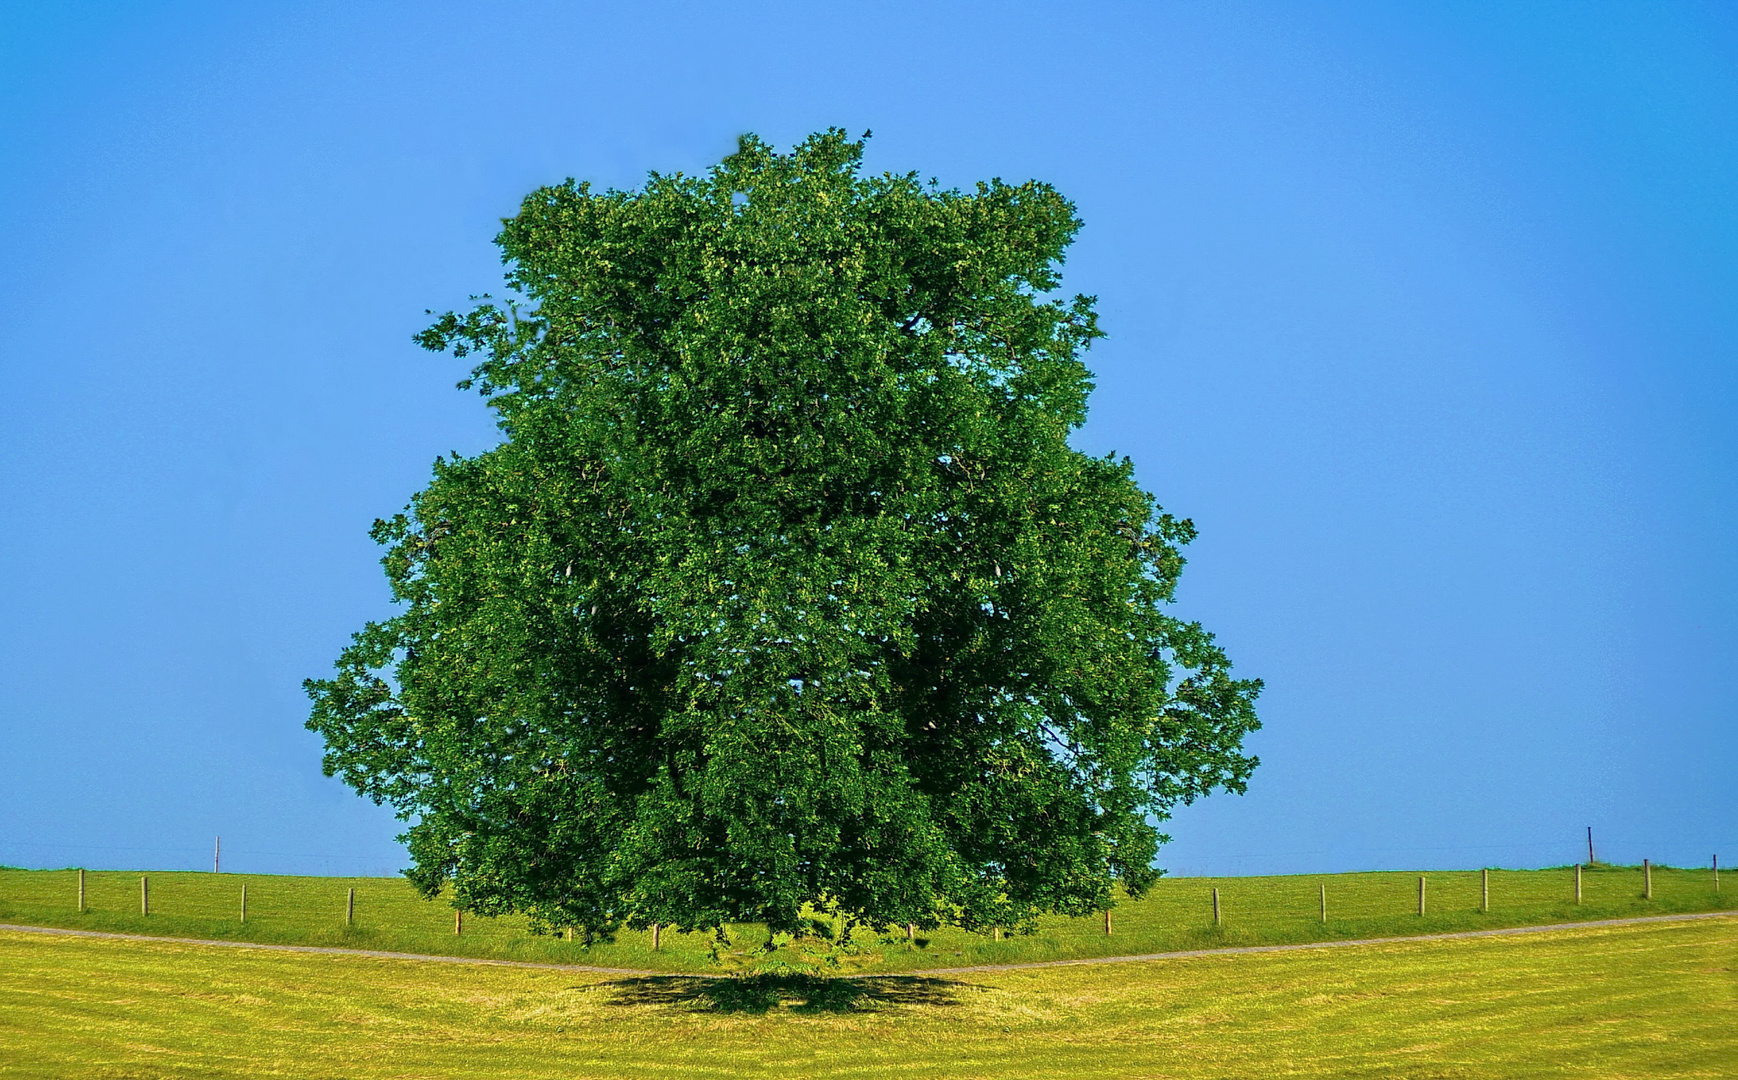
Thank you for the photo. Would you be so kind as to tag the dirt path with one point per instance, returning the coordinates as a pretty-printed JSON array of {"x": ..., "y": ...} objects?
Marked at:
[
  {"x": 977, "y": 968},
  {"x": 1241, "y": 949}
]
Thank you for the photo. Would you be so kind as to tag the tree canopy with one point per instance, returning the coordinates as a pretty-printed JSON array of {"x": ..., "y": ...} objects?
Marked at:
[{"x": 783, "y": 589}]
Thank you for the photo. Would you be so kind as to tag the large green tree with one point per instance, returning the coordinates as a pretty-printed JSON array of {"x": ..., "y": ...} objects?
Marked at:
[{"x": 783, "y": 587}]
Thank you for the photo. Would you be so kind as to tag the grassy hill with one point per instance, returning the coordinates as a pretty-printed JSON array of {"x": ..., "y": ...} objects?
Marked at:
[
  {"x": 1635, "y": 1001},
  {"x": 1176, "y": 914}
]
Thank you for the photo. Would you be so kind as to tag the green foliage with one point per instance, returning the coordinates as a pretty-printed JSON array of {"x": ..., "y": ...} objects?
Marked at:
[{"x": 784, "y": 591}]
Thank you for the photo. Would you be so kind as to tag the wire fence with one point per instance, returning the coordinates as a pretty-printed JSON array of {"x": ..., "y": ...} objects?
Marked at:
[
  {"x": 1528, "y": 854},
  {"x": 1176, "y": 913}
]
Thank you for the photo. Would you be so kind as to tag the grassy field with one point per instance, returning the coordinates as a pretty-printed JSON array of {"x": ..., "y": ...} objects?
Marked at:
[
  {"x": 1175, "y": 915},
  {"x": 1638, "y": 1001}
]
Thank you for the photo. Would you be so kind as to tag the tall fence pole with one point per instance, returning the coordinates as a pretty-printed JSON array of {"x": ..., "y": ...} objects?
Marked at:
[
  {"x": 244, "y": 902},
  {"x": 1590, "y": 859},
  {"x": 1716, "y": 875},
  {"x": 458, "y": 922},
  {"x": 1420, "y": 894},
  {"x": 1485, "y": 890},
  {"x": 144, "y": 895},
  {"x": 216, "y": 854},
  {"x": 1577, "y": 883},
  {"x": 1106, "y": 922},
  {"x": 1647, "y": 880},
  {"x": 81, "y": 888},
  {"x": 1216, "y": 905},
  {"x": 1324, "y": 888},
  {"x": 350, "y": 909},
  {"x": 658, "y": 936}
]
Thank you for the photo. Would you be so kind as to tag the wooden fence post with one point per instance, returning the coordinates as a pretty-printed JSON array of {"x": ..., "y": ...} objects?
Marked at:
[
  {"x": 1578, "y": 883},
  {"x": 1716, "y": 876},
  {"x": 1485, "y": 890},
  {"x": 1647, "y": 880},
  {"x": 350, "y": 909},
  {"x": 1420, "y": 894},
  {"x": 81, "y": 885},
  {"x": 1324, "y": 888},
  {"x": 657, "y": 936},
  {"x": 1216, "y": 921},
  {"x": 1106, "y": 922},
  {"x": 458, "y": 922},
  {"x": 244, "y": 902},
  {"x": 144, "y": 895}
]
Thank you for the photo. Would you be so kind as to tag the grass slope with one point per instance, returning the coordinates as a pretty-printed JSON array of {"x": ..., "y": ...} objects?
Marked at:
[
  {"x": 1640, "y": 1001},
  {"x": 1175, "y": 915}
]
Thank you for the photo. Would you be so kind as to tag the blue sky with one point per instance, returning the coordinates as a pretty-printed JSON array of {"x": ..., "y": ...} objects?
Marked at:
[{"x": 1427, "y": 314}]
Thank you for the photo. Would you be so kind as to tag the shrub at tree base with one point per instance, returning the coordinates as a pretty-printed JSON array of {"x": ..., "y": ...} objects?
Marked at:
[{"x": 783, "y": 592}]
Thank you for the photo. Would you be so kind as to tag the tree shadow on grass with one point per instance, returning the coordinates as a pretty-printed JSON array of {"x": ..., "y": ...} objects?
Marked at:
[{"x": 799, "y": 992}]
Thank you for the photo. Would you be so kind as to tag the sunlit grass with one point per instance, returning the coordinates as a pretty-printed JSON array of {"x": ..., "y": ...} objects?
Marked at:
[
  {"x": 1175, "y": 915},
  {"x": 1639, "y": 1001}
]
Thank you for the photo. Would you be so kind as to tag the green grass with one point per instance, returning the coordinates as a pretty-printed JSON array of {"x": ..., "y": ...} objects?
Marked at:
[
  {"x": 1638, "y": 1001},
  {"x": 1175, "y": 915}
]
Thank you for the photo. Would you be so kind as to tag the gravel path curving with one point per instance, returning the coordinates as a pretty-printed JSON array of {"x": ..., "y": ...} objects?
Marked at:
[{"x": 973, "y": 969}]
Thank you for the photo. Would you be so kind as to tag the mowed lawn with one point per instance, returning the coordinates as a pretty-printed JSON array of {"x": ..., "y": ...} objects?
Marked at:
[
  {"x": 1637, "y": 1001},
  {"x": 1177, "y": 914}
]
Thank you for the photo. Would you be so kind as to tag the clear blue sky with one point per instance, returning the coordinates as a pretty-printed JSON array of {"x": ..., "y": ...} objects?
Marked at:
[{"x": 1426, "y": 313}]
